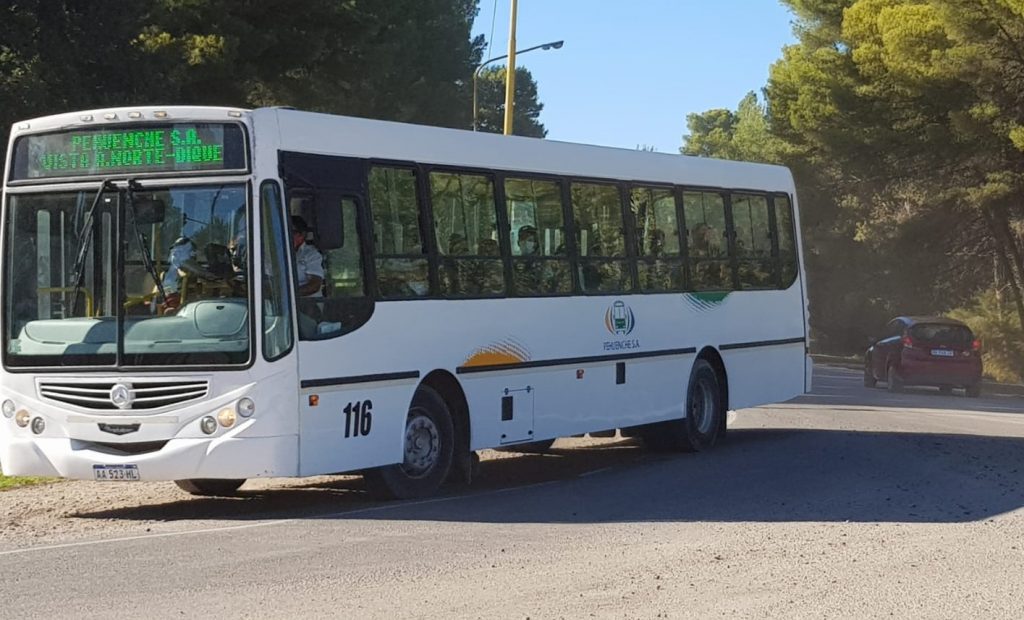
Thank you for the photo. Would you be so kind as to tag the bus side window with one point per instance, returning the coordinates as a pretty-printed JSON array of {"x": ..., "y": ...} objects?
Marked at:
[
  {"x": 705, "y": 241},
  {"x": 659, "y": 264},
  {"x": 540, "y": 264},
  {"x": 600, "y": 237},
  {"x": 753, "y": 244},
  {"x": 399, "y": 255},
  {"x": 465, "y": 222},
  {"x": 786, "y": 239},
  {"x": 345, "y": 305}
]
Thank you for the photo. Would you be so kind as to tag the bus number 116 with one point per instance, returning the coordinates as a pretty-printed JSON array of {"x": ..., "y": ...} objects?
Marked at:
[{"x": 358, "y": 419}]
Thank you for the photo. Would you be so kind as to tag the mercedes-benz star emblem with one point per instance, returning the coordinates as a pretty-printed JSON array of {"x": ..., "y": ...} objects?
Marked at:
[{"x": 121, "y": 395}]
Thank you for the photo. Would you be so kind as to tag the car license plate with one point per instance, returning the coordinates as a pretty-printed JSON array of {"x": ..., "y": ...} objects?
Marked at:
[
  {"x": 943, "y": 353},
  {"x": 116, "y": 473}
]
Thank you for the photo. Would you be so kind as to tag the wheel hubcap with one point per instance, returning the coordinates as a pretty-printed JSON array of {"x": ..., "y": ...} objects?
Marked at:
[
  {"x": 702, "y": 407},
  {"x": 422, "y": 446}
]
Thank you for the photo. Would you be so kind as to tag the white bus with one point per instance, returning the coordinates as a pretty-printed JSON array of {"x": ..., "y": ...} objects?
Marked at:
[{"x": 479, "y": 291}]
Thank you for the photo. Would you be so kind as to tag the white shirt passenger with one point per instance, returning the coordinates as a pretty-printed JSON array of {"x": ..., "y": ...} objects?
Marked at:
[{"x": 309, "y": 262}]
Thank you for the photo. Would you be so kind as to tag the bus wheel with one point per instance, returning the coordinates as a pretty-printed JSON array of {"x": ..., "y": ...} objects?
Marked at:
[
  {"x": 705, "y": 416},
  {"x": 209, "y": 486},
  {"x": 427, "y": 455}
]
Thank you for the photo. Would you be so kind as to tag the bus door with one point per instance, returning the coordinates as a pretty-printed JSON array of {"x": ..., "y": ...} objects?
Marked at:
[{"x": 329, "y": 194}]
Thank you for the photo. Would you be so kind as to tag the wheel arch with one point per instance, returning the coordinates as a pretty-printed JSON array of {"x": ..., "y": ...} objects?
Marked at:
[
  {"x": 445, "y": 383},
  {"x": 713, "y": 357}
]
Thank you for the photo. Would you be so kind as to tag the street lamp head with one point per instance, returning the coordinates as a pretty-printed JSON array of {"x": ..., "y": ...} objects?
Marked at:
[{"x": 556, "y": 45}]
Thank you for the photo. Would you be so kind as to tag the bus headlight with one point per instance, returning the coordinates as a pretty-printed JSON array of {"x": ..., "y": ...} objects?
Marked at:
[
  {"x": 208, "y": 425},
  {"x": 246, "y": 407},
  {"x": 21, "y": 418},
  {"x": 9, "y": 408},
  {"x": 38, "y": 425},
  {"x": 226, "y": 417}
]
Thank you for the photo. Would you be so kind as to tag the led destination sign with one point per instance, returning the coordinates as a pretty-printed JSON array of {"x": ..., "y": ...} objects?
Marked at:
[{"x": 180, "y": 147}]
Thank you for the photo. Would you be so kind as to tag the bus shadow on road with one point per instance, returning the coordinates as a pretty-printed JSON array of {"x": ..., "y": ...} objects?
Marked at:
[
  {"x": 758, "y": 475},
  {"x": 774, "y": 475}
]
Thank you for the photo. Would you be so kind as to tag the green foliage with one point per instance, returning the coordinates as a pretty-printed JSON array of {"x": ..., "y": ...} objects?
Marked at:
[
  {"x": 10, "y": 482},
  {"x": 995, "y": 322},
  {"x": 491, "y": 103},
  {"x": 405, "y": 60},
  {"x": 902, "y": 121},
  {"x": 742, "y": 135}
]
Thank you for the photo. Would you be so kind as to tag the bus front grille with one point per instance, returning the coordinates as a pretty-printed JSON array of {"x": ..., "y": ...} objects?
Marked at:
[
  {"x": 122, "y": 449},
  {"x": 133, "y": 396}
]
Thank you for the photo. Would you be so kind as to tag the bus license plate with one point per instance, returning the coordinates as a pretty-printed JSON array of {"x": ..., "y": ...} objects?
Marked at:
[
  {"x": 116, "y": 473},
  {"x": 943, "y": 353}
]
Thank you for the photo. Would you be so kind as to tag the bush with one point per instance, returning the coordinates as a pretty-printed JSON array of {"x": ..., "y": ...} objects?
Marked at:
[{"x": 996, "y": 323}]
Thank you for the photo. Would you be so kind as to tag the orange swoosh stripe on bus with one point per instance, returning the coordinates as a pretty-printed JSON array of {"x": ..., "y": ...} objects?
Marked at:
[{"x": 509, "y": 352}]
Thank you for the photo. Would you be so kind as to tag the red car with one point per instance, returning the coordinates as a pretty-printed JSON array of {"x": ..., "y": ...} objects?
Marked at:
[{"x": 925, "y": 351}]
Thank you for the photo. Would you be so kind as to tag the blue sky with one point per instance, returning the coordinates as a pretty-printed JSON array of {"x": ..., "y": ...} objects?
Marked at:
[{"x": 630, "y": 71}]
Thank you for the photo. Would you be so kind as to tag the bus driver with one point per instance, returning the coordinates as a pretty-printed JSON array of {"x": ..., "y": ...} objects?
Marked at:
[{"x": 309, "y": 262}]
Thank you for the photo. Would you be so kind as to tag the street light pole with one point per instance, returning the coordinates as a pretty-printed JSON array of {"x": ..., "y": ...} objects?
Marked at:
[
  {"x": 554, "y": 45},
  {"x": 510, "y": 73}
]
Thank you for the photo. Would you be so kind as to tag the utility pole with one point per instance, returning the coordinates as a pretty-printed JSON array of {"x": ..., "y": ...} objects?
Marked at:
[{"x": 510, "y": 72}]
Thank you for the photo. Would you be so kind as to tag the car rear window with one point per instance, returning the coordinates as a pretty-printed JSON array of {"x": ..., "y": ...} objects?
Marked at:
[{"x": 951, "y": 335}]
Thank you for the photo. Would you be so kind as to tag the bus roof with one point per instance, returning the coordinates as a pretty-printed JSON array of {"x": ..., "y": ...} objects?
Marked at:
[
  {"x": 328, "y": 134},
  {"x": 356, "y": 137}
]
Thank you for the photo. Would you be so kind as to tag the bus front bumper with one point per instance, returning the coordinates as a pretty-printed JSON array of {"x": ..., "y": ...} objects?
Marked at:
[{"x": 222, "y": 457}]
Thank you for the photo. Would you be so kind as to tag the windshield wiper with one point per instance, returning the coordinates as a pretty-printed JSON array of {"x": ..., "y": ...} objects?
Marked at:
[
  {"x": 147, "y": 257},
  {"x": 78, "y": 273}
]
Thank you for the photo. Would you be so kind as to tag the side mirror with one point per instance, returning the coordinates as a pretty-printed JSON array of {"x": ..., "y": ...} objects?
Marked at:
[{"x": 149, "y": 210}]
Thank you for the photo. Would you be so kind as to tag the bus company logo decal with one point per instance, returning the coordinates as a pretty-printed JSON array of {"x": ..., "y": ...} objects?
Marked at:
[
  {"x": 620, "y": 321},
  {"x": 503, "y": 352},
  {"x": 705, "y": 302}
]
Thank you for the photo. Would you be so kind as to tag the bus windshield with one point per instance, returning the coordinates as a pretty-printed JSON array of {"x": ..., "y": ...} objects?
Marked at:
[{"x": 127, "y": 277}]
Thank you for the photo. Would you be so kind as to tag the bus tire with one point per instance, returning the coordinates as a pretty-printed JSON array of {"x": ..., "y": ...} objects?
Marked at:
[
  {"x": 427, "y": 453},
  {"x": 210, "y": 487},
  {"x": 703, "y": 425}
]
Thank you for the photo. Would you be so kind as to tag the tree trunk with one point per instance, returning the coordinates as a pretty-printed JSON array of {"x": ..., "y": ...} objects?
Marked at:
[{"x": 1008, "y": 257}]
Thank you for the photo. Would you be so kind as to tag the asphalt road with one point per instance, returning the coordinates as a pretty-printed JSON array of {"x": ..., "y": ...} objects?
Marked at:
[{"x": 845, "y": 503}]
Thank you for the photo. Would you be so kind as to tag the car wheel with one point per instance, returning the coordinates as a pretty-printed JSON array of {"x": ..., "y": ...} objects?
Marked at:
[
  {"x": 973, "y": 391},
  {"x": 869, "y": 375},
  {"x": 893, "y": 379},
  {"x": 210, "y": 486},
  {"x": 427, "y": 454}
]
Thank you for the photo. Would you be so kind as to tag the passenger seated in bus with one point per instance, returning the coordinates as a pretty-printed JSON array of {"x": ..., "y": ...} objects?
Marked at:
[
  {"x": 706, "y": 241},
  {"x": 453, "y": 273},
  {"x": 657, "y": 274},
  {"x": 486, "y": 277},
  {"x": 528, "y": 274},
  {"x": 489, "y": 247}
]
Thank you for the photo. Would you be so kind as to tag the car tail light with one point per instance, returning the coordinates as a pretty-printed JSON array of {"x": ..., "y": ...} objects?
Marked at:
[
  {"x": 976, "y": 345},
  {"x": 908, "y": 342}
]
